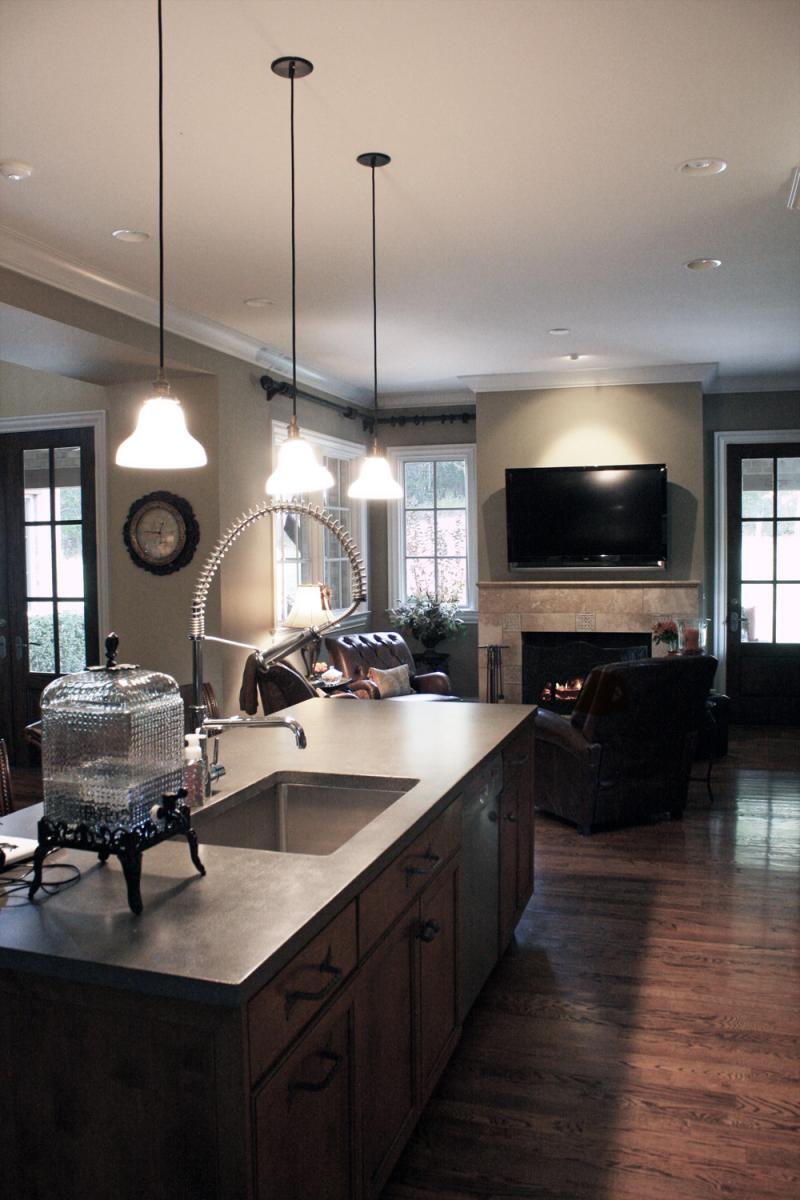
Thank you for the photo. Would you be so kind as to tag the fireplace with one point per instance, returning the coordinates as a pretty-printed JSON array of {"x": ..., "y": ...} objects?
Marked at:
[
  {"x": 555, "y": 665},
  {"x": 510, "y": 608}
]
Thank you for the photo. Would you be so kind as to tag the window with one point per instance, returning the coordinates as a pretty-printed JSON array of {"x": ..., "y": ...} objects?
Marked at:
[
  {"x": 432, "y": 530},
  {"x": 306, "y": 552}
]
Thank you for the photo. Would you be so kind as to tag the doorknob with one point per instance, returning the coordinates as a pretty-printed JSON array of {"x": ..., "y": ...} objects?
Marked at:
[
  {"x": 19, "y": 647},
  {"x": 733, "y": 616}
]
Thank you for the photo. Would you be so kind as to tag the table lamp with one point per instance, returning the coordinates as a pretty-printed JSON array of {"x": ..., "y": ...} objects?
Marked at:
[{"x": 311, "y": 609}]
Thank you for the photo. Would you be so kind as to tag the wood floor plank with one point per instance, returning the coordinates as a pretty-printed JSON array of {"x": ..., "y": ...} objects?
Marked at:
[{"x": 641, "y": 1038}]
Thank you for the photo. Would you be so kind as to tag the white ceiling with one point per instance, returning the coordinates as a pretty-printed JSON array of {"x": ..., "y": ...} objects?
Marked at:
[{"x": 534, "y": 181}]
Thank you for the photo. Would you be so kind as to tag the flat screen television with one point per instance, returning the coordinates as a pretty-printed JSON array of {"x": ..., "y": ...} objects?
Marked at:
[{"x": 587, "y": 516}]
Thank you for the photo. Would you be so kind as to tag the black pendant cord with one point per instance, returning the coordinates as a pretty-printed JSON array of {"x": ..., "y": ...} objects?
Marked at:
[
  {"x": 373, "y": 159},
  {"x": 294, "y": 256},
  {"x": 374, "y": 298},
  {"x": 160, "y": 196}
]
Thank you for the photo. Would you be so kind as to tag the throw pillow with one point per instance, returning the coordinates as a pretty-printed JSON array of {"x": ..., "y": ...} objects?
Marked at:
[{"x": 393, "y": 682}]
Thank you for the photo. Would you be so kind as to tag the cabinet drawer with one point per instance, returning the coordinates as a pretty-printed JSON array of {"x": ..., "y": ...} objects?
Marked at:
[
  {"x": 394, "y": 889},
  {"x": 296, "y": 994}
]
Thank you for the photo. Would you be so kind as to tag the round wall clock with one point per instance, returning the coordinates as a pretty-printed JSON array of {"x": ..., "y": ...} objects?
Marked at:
[{"x": 161, "y": 532}]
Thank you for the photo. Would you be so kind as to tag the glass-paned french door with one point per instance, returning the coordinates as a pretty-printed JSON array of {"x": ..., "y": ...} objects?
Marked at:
[
  {"x": 48, "y": 591},
  {"x": 763, "y": 625},
  {"x": 770, "y": 549}
]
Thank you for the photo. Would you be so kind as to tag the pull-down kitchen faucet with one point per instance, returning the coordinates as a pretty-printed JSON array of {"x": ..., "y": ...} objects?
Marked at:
[{"x": 208, "y": 726}]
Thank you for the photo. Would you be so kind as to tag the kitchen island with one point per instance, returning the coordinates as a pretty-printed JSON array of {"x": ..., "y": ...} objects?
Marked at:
[{"x": 274, "y": 1028}]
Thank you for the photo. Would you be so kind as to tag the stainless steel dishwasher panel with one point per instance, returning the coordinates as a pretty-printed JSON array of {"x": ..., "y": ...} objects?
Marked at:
[{"x": 480, "y": 875}]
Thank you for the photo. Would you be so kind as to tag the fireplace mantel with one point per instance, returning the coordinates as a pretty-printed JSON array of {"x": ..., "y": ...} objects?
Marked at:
[{"x": 508, "y": 609}]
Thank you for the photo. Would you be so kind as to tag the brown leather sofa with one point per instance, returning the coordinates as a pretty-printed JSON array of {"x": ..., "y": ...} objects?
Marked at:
[
  {"x": 354, "y": 653},
  {"x": 625, "y": 752}
]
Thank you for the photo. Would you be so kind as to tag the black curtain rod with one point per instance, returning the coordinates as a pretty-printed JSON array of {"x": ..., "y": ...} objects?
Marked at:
[{"x": 273, "y": 387}]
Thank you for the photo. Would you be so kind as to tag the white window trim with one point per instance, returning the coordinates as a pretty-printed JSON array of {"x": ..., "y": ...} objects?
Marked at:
[
  {"x": 335, "y": 448},
  {"x": 398, "y": 456},
  {"x": 723, "y": 439},
  {"x": 96, "y": 420}
]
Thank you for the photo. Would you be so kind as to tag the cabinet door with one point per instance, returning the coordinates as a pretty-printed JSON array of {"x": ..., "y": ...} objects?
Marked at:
[
  {"x": 437, "y": 939},
  {"x": 304, "y": 1118},
  {"x": 385, "y": 1013},
  {"x": 516, "y": 833}
]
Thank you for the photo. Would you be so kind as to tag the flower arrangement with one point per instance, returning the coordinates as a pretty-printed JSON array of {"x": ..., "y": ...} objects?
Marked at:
[
  {"x": 666, "y": 631},
  {"x": 428, "y": 619}
]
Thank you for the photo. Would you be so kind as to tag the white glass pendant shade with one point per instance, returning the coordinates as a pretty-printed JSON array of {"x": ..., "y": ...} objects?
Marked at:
[
  {"x": 298, "y": 469},
  {"x": 375, "y": 480},
  {"x": 311, "y": 607},
  {"x": 161, "y": 440}
]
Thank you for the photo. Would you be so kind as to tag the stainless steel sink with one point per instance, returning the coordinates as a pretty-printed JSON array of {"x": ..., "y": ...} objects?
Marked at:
[{"x": 297, "y": 813}]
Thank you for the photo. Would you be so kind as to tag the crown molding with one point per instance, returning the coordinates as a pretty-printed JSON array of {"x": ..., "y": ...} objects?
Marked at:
[
  {"x": 786, "y": 381},
  {"x": 46, "y": 265},
  {"x": 702, "y": 373},
  {"x": 412, "y": 400}
]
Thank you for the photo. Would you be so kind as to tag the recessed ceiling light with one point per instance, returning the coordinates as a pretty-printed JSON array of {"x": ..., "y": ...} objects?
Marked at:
[
  {"x": 574, "y": 357},
  {"x": 559, "y": 332},
  {"x": 130, "y": 235},
  {"x": 703, "y": 166},
  {"x": 703, "y": 264},
  {"x": 14, "y": 170},
  {"x": 258, "y": 302}
]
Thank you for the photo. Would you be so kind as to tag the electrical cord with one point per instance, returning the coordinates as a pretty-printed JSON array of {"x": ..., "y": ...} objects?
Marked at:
[{"x": 12, "y": 883}]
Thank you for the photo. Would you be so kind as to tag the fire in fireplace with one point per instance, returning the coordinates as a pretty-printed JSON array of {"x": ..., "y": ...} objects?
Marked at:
[{"x": 562, "y": 693}]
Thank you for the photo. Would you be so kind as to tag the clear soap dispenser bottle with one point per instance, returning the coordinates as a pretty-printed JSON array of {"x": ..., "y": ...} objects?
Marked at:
[{"x": 193, "y": 773}]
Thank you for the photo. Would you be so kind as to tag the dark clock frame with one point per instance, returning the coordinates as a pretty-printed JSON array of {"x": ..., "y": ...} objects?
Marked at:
[{"x": 184, "y": 512}]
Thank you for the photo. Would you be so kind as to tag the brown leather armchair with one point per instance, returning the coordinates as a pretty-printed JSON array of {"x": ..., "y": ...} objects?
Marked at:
[
  {"x": 354, "y": 653},
  {"x": 277, "y": 686},
  {"x": 625, "y": 753}
]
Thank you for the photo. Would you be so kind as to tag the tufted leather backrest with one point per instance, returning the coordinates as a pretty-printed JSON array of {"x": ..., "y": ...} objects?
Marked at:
[
  {"x": 648, "y": 701},
  {"x": 5, "y": 781},
  {"x": 354, "y": 653}
]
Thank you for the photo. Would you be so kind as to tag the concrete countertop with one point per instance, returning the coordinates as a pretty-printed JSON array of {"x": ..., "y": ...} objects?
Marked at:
[{"x": 217, "y": 939}]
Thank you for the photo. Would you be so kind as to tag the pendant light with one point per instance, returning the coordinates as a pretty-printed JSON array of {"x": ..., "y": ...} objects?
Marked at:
[
  {"x": 161, "y": 440},
  {"x": 375, "y": 480},
  {"x": 298, "y": 469}
]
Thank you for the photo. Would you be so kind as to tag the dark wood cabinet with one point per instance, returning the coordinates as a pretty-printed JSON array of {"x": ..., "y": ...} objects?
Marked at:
[
  {"x": 516, "y": 833},
  {"x": 304, "y": 1117},
  {"x": 407, "y": 1017},
  {"x": 386, "y": 1014},
  {"x": 437, "y": 941}
]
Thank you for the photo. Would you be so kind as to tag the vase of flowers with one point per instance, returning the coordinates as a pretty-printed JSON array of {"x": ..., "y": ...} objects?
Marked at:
[
  {"x": 665, "y": 632},
  {"x": 429, "y": 619}
]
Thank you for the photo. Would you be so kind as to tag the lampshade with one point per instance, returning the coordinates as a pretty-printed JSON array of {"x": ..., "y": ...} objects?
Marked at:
[
  {"x": 311, "y": 608},
  {"x": 298, "y": 469},
  {"x": 375, "y": 480},
  {"x": 161, "y": 440}
]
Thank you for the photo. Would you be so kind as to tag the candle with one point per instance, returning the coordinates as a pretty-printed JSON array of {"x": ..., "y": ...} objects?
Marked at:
[{"x": 691, "y": 639}]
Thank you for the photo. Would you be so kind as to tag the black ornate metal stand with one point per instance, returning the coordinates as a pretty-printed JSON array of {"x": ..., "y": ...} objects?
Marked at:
[{"x": 127, "y": 845}]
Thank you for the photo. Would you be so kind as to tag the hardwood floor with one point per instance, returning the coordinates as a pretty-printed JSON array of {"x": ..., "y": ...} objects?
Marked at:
[{"x": 641, "y": 1038}]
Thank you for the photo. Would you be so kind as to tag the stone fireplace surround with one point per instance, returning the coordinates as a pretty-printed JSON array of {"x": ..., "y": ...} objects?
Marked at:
[{"x": 508, "y": 609}]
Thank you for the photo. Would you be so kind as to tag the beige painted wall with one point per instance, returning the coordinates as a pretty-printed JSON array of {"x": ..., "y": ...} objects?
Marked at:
[
  {"x": 607, "y": 426},
  {"x": 227, "y": 409}
]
